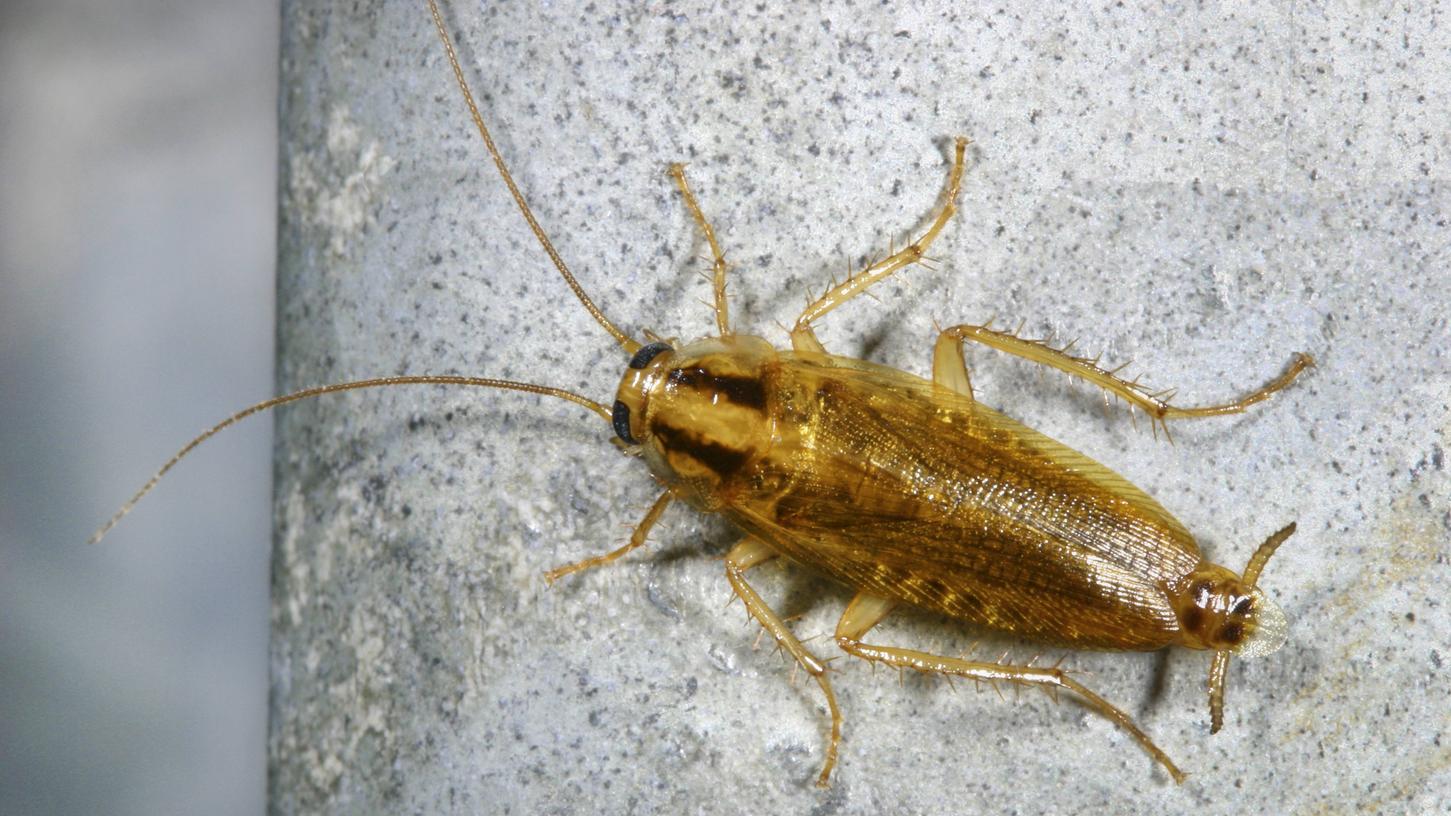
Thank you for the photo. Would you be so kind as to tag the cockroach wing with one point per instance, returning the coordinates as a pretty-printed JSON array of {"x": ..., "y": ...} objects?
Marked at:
[{"x": 904, "y": 489}]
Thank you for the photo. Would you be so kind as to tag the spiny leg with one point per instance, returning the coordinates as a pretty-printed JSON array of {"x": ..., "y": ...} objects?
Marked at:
[
  {"x": 637, "y": 539},
  {"x": 742, "y": 557},
  {"x": 866, "y": 611},
  {"x": 1155, "y": 404},
  {"x": 949, "y": 370},
  {"x": 802, "y": 336},
  {"x": 718, "y": 276}
]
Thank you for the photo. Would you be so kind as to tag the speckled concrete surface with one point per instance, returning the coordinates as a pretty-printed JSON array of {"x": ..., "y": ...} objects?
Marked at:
[{"x": 1202, "y": 191}]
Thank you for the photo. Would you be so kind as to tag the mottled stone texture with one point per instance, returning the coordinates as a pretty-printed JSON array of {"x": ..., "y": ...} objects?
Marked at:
[{"x": 1202, "y": 191}]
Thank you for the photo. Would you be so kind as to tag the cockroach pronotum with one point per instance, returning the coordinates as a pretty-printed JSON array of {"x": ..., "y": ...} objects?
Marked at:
[{"x": 906, "y": 490}]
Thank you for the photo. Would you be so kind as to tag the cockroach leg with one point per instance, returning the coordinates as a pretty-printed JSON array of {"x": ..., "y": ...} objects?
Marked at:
[
  {"x": 718, "y": 274},
  {"x": 804, "y": 339},
  {"x": 866, "y": 611},
  {"x": 1155, "y": 404},
  {"x": 742, "y": 557},
  {"x": 949, "y": 370},
  {"x": 637, "y": 539},
  {"x": 802, "y": 336}
]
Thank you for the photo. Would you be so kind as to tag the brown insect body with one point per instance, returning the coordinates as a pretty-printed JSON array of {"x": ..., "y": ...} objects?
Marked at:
[{"x": 907, "y": 490}]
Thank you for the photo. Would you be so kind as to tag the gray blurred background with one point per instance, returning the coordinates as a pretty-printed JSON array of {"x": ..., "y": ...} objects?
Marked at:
[{"x": 137, "y": 212}]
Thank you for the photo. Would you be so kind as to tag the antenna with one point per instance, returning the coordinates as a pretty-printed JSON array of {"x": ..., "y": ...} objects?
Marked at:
[
  {"x": 630, "y": 346},
  {"x": 332, "y": 389}
]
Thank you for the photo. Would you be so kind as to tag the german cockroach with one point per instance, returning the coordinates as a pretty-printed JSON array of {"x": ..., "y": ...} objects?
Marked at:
[{"x": 908, "y": 491}]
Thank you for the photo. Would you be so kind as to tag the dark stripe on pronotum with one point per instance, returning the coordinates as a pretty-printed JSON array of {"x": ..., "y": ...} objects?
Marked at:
[
  {"x": 719, "y": 458},
  {"x": 747, "y": 392},
  {"x": 643, "y": 357}
]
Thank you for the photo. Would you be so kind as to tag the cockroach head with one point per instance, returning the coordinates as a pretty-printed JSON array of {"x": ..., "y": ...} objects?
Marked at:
[
  {"x": 699, "y": 415},
  {"x": 630, "y": 400}
]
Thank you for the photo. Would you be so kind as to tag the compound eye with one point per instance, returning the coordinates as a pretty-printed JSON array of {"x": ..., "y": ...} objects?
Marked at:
[
  {"x": 641, "y": 359},
  {"x": 621, "y": 421}
]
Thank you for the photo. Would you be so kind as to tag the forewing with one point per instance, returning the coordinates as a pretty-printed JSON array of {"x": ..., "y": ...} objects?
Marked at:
[{"x": 906, "y": 490}]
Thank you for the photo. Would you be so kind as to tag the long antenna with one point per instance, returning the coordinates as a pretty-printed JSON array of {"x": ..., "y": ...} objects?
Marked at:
[
  {"x": 332, "y": 389},
  {"x": 630, "y": 346}
]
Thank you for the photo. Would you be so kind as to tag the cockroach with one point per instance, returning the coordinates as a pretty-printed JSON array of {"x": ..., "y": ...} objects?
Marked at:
[{"x": 908, "y": 491}]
